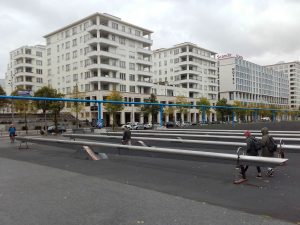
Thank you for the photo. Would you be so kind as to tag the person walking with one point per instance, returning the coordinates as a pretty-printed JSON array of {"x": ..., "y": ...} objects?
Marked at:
[
  {"x": 126, "y": 140},
  {"x": 266, "y": 152},
  {"x": 12, "y": 133},
  {"x": 253, "y": 146}
]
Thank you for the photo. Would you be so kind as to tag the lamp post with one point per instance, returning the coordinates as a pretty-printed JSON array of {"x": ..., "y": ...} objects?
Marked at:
[{"x": 12, "y": 101}]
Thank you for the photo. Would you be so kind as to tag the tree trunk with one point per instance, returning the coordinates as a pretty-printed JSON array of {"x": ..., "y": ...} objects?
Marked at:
[
  {"x": 114, "y": 121},
  {"x": 26, "y": 126},
  {"x": 55, "y": 122}
]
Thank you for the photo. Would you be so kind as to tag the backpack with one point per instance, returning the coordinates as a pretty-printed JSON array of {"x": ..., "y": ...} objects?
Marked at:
[
  {"x": 272, "y": 146},
  {"x": 256, "y": 144}
]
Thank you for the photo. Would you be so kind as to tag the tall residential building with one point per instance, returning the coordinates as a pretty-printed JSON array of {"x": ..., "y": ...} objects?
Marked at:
[
  {"x": 292, "y": 70},
  {"x": 26, "y": 69},
  {"x": 188, "y": 66},
  {"x": 98, "y": 54},
  {"x": 250, "y": 83}
]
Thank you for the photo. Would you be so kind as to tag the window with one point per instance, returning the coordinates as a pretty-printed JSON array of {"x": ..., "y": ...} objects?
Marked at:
[
  {"x": 67, "y": 33},
  {"x": 85, "y": 25},
  {"x": 132, "y": 88},
  {"x": 123, "y": 88},
  {"x": 49, "y": 62},
  {"x": 67, "y": 45},
  {"x": 39, "y": 80},
  {"x": 137, "y": 33},
  {"x": 67, "y": 56},
  {"x": 49, "y": 51},
  {"x": 75, "y": 42},
  {"x": 39, "y": 71},
  {"x": 74, "y": 54},
  {"x": 122, "y": 76},
  {"x": 115, "y": 25},
  {"x": 131, "y": 66},
  {"x": 122, "y": 64},
  {"x": 131, "y": 77},
  {"x": 39, "y": 62},
  {"x": 68, "y": 67},
  {"x": 74, "y": 30},
  {"x": 122, "y": 40},
  {"x": 75, "y": 77}
]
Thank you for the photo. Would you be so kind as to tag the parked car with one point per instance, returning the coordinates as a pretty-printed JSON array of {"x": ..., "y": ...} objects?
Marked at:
[
  {"x": 148, "y": 126},
  {"x": 60, "y": 129},
  {"x": 138, "y": 126},
  {"x": 128, "y": 125},
  {"x": 265, "y": 119}
]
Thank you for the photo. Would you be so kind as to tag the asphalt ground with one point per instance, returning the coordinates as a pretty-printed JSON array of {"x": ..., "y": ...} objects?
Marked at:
[{"x": 49, "y": 185}]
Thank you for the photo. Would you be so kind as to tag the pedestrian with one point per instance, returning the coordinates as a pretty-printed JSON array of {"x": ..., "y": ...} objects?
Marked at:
[
  {"x": 12, "y": 133},
  {"x": 126, "y": 140},
  {"x": 253, "y": 146},
  {"x": 266, "y": 152}
]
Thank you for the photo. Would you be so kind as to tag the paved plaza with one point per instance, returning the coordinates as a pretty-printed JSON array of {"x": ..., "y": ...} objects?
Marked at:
[{"x": 49, "y": 185}]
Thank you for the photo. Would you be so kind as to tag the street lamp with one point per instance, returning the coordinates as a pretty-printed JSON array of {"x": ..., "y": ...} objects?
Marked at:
[{"x": 12, "y": 101}]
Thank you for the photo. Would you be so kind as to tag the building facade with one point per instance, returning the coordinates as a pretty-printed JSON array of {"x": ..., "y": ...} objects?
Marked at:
[
  {"x": 100, "y": 53},
  {"x": 188, "y": 66},
  {"x": 250, "y": 83},
  {"x": 292, "y": 70},
  {"x": 26, "y": 69}
]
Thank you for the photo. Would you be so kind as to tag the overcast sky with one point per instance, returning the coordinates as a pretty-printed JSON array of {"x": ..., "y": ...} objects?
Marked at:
[{"x": 262, "y": 31}]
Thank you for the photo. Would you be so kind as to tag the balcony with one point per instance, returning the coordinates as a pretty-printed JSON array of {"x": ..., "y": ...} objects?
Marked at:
[
  {"x": 144, "y": 62},
  {"x": 144, "y": 51},
  {"x": 145, "y": 73},
  {"x": 144, "y": 83},
  {"x": 95, "y": 40},
  {"x": 95, "y": 66},
  {"x": 120, "y": 33},
  {"x": 94, "y": 53},
  {"x": 106, "y": 78}
]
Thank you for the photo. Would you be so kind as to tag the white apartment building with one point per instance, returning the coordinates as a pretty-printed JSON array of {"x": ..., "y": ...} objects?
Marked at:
[
  {"x": 98, "y": 54},
  {"x": 250, "y": 83},
  {"x": 26, "y": 69},
  {"x": 188, "y": 66},
  {"x": 292, "y": 70}
]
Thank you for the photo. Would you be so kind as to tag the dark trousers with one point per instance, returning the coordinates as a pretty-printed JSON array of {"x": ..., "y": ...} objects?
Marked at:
[{"x": 244, "y": 170}]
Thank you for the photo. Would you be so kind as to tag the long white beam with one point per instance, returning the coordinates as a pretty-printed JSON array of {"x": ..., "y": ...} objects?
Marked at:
[
  {"x": 169, "y": 153},
  {"x": 208, "y": 132},
  {"x": 238, "y": 131},
  {"x": 227, "y": 143}
]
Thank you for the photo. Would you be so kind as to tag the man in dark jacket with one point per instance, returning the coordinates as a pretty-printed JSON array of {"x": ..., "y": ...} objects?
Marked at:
[
  {"x": 126, "y": 140},
  {"x": 265, "y": 142},
  {"x": 251, "y": 150}
]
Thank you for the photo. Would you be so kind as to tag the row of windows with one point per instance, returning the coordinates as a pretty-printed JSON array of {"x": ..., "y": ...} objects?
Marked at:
[
  {"x": 177, "y": 60},
  {"x": 123, "y": 28},
  {"x": 181, "y": 50},
  {"x": 25, "y": 51},
  {"x": 29, "y": 79}
]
